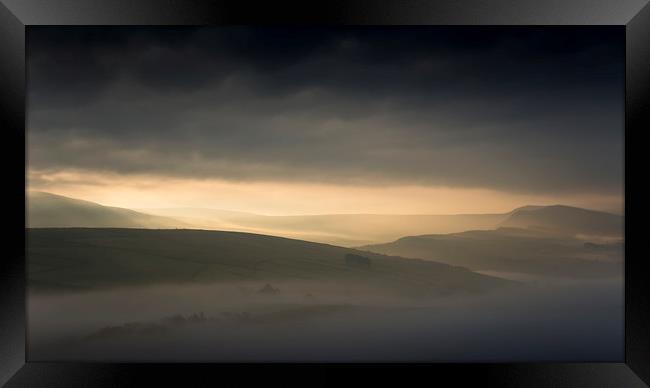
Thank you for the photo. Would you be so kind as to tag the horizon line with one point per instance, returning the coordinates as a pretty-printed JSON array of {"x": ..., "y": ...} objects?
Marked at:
[{"x": 143, "y": 210}]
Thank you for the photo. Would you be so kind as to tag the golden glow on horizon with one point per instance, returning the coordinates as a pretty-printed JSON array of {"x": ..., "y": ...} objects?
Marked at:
[{"x": 280, "y": 198}]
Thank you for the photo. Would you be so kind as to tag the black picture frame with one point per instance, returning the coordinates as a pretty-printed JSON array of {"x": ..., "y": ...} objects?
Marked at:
[{"x": 16, "y": 15}]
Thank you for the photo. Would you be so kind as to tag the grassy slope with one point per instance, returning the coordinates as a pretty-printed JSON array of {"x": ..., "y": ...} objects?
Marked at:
[{"x": 85, "y": 258}]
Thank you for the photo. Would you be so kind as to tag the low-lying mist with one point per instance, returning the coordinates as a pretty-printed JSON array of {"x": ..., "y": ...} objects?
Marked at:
[{"x": 328, "y": 322}]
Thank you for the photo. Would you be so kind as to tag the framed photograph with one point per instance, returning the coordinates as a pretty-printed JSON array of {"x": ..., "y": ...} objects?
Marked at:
[{"x": 394, "y": 191}]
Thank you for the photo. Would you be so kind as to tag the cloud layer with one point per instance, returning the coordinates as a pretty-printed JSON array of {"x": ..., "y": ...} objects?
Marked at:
[{"x": 526, "y": 110}]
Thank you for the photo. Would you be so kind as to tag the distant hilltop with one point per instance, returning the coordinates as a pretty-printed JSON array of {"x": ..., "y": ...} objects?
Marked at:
[
  {"x": 566, "y": 220},
  {"x": 46, "y": 210}
]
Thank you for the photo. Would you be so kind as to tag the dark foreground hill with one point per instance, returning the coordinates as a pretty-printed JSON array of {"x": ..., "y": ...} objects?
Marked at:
[{"x": 87, "y": 259}]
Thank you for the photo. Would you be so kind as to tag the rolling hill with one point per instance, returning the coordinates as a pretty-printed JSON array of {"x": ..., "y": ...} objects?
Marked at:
[
  {"x": 49, "y": 210},
  {"x": 87, "y": 259},
  {"x": 360, "y": 229},
  {"x": 338, "y": 229},
  {"x": 350, "y": 230},
  {"x": 512, "y": 250}
]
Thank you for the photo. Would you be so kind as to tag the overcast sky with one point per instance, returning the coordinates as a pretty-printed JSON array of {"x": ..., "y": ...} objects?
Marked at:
[{"x": 511, "y": 114}]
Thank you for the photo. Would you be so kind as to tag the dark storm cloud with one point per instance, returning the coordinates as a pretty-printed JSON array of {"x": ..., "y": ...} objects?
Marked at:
[{"x": 517, "y": 109}]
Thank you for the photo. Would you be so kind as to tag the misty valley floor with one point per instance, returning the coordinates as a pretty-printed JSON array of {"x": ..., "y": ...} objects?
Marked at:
[
  {"x": 565, "y": 324},
  {"x": 139, "y": 295}
]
